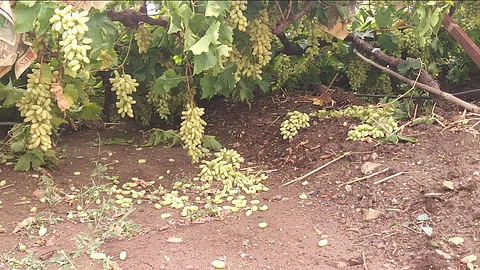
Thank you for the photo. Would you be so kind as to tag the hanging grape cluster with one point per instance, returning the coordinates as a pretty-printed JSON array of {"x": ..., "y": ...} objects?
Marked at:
[
  {"x": 312, "y": 40},
  {"x": 296, "y": 28},
  {"x": 376, "y": 122},
  {"x": 71, "y": 25},
  {"x": 191, "y": 130},
  {"x": 470, "y": 12},
  {"x": 357, "y": 73},
  {"x": 409, "y": 42},
  {"x": 382, "y": 85},
  {"x": 236, "y": 18},
  {"x": 143, "y": 114},
  {"x": 143, "y": 38},
  {"x": 161, "y": 103},
  {"x": 296, "y": 120},
  {"x": 283, "y": 68},
  {"x": 35, "y": 105},
  {"x": 124, "y": 86}
]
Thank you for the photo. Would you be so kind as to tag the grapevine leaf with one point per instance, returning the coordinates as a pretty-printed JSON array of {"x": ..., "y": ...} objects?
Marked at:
[
  {"x": 189, "y": 40},
  {"x": 388, "y": 41},
  {"x": 214, "y": 8},
  {"x": 246, "y": 90},
  {"x": 206, "y": 60},
  {"x": 407, "y": 65},
  {"x": 88, "y": 111},
  {"x": 27, "y": 3},
  {"x": 211, "y": 143},
  {"x": 225, "y": 81},
  {"x": 71, "y": 92},
  {"x": 210, "y": 37},
  {"x": 44, "y": 15},
  {"x": 384, "y": 19},
  {"x": 225, "y": 34},
  {"x": 167, "y": 81},
  {"x": 207, "y": 83},
  {"x": 197, "y": 23},
  {"x": 17, "y": 147},
  {"x": 185, "y": 13},
  {"x": 423, "y": 217},
  {"x": 25, "y": 17},
  {"x": 23, "y": 163},
  {"x": 9, "y": 94},
  {"x": 101, "y": 29}
]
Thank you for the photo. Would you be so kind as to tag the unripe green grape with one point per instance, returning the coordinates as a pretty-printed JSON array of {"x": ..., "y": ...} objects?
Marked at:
[
  {"x": 192, "y": 130},
  {"x": 124, "y": 86},
  {"x": 357, "y": 73},
  {"x": 35, "y": 106},
  {"x": 296, "y": 120},
  {"x": 143, "y": 38}
]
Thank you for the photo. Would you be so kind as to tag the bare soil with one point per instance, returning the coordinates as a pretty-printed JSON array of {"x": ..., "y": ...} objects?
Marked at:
[{"x": 392, "y": 240}]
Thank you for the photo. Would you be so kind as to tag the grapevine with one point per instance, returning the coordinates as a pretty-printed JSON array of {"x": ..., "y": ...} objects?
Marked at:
[
  {"x": 124, "y": 86},
  {"x": 357, "y": 73},
  {"x": 191, "y": 130},
  {"x": 35, "y": 105},
  {"x": 142, "y": 36},
  {"x": 236, "y": 18},
  {"x": 296, "y": 120},
  {"x": 71, "y": 26}
]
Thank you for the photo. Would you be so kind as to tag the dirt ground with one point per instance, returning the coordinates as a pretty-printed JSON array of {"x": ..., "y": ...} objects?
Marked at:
[{"x": 394, "y": 235}]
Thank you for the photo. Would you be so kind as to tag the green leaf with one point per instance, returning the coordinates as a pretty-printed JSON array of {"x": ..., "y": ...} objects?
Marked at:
[
  {"x": 17, "y": 147},
  {"x": 25, "y": 17},
  {"x": 225, "y": 33},
  {"x": 44, "y": 15},
  {"x": 213, "y": 8},
  {"x": 167, "y": 81},
  {"x": 71, "y": 91},
  {"x": 9, "y": 94},
  {"x": 388, "y": 41},
  {"x": 207, "y": 82},
  {"x": 205, "y": 61},
  {"x": 88, "y": 111},
  {"x": 427, "y": 230},
  {"x": 407, "y": 65},
  {"x": 423, "y": 217},
  {"x": 23, "y": 163},
  {"x": 226, "y": 81},
  {"x": 210, "y": 37},
  {"x": 101, "y": 30},
  {"x": 28, "y": 3},
  {"x": 384, "y": 19},
  {"x": 211, "y": 143}
]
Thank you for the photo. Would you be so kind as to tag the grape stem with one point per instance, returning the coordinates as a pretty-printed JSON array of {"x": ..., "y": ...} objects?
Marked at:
[{"x": 278, "y": 29}]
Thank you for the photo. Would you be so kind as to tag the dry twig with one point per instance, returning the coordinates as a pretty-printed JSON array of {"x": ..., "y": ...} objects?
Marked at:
[
  {"x": 316, "y": 170},
  {"x": 363, "y": 178},
  {"x": 388, "y": 178}
]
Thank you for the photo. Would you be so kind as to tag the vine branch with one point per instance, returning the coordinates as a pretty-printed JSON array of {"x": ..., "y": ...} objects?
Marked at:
[{"x": 131, "y": 18}]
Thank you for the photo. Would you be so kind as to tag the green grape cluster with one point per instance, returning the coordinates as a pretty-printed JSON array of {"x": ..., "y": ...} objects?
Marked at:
[
  {"x": 383, "y": 85},
  {"x": 192, "y": 130},
  {"x": 296, "y": 28},
  {"x": 283, "y": 69},
  {"x": 377, "y": 122},
  {"x": 72, "y": 27},
  {"x": 38, "y": 44},
  {"x": 357, "y": 73},
  {"x": 143, "y": 114},
  {"x": 296, "y": 120},
  {"x": 143, "y": 38},
  {"x": 245, "y": 65},
  {"x": 224, "y": 165},
  {"x": 409, "y": 41},
  {"x": 35, "y": 105},
  {"x": 261, "y": 38},
  {"x": 314, "y": 32},
  {"x": 236, "y": 18},
  {"x": 124, "y": 86},
  {"x": 161, "y": 103},
  {"x": 470, "y": 12}
]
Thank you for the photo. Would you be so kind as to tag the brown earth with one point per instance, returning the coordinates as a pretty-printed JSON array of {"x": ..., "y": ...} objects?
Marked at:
[{"x": 393, "y": 240}]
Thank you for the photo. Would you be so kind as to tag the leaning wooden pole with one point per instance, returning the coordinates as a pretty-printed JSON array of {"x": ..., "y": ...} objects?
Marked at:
[
  {"x": 447, "y": 96},
  {"x": 462, "y": 38}
]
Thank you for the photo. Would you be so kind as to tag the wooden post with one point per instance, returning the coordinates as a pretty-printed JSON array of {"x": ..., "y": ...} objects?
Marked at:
[{"x": 462, "y": 38}]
